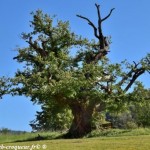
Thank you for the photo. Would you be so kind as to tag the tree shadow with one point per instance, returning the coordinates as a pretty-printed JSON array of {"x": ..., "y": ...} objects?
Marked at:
[{"x": 37, "y": 138}]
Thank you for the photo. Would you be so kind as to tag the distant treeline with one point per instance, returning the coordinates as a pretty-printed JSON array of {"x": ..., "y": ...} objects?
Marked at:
[{"x": 8, "y": 131}]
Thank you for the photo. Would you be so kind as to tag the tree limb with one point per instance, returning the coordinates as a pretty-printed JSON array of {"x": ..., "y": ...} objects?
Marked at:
[
  {"x": 91, "y": 24},
  {"x": 134, "y": 77},
  {"x": 39, "y": 50},
  {"x": 129, "y": 74},
  {"x": 105, "y": 88},
  {"x": 99, "y": 22},
  {"x": 108, "y": 15},
  {"x": 137, "y": 69},
  {"x": 103, "y": 44}
]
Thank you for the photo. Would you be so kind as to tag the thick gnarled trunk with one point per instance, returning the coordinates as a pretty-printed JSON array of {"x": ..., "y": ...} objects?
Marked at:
[{"x": 82, "y": 122}]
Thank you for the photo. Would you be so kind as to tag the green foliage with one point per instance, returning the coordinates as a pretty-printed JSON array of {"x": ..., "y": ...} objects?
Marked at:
[
  {"x": 98, "y": 119},
  {"x": 4, "y": 86},
  {"x": 137, "y": 112},
  {"x": 55, "y": 78},
  {"x": 131, "y": 125},
  {"x": 47, "y": 73},
  {"x": 140, "y": 105},
  {"x": 143, "y": 114},
  {"x": 52, "y": 118},
  {"x": 119, "y": 132}
]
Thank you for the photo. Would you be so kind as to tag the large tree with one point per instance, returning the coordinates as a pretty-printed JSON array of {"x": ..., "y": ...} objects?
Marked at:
[{"x": 83, "y": 82}]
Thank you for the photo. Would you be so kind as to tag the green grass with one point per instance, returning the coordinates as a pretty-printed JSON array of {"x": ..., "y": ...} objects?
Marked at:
[
  {"x": 6, "y": 138},
  {"x": 119, "y": 132},
  {"x": 138, "y": 139}
]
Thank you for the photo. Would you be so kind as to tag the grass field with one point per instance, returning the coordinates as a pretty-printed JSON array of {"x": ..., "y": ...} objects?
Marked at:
[{"x": 133, "y": 140}]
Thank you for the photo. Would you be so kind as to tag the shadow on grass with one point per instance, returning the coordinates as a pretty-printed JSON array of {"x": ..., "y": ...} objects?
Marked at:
[
  {"x": 95, "y": 133},
  {"x": 39, "y": 138}
]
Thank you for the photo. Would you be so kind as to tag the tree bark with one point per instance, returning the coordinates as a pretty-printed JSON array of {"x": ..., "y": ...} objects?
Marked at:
[{"x": 82, "y": 121}]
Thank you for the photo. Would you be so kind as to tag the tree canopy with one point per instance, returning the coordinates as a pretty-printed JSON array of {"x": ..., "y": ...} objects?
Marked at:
[{"x": 81, "y": 82}]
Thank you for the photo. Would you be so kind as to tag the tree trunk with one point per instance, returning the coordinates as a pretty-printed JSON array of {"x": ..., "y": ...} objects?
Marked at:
[{"x": 82, "y": 121}]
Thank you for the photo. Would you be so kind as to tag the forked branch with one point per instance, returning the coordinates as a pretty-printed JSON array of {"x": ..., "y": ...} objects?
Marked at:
[
  {"x": 91, "y": 24},
  {"x": 136, "y": 70},
  {"x": 102, "y": 40},
  {"x": 136, "y": 74}
]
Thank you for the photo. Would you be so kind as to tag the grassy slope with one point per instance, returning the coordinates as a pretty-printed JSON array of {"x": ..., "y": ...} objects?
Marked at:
[{"x": 133, "y": 140}]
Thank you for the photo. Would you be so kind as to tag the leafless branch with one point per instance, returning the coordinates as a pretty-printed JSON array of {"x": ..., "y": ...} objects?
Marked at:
[
  {"x": 99, "y": 21},
  {"x": 103, "y": 45},
  {"x": 91, "y": 24},
  {"x": 108, "y": 15}
]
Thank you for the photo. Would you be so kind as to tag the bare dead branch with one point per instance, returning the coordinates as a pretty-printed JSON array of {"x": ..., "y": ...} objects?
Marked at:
[
  {"x": 101, "y": 37},
  {"x": 91, "y": 24},
  {"x": 99, "y": 21},
  {"x": 108, "y": 15},
  {"x": 103, "y": 46}
]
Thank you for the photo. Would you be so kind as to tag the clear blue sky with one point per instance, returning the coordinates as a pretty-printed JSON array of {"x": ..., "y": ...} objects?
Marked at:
[{"x": 129, "y": 27}]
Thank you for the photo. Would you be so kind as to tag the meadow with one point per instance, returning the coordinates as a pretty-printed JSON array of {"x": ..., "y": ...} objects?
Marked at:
[{"x": 114, "y": 139}]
